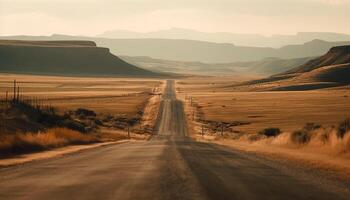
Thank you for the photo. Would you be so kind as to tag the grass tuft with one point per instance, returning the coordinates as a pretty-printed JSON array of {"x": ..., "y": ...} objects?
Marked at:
[{"x": 343, "y": 128}]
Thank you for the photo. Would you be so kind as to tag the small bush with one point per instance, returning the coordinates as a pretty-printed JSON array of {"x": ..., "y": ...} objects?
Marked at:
[
  {"x": 270, "y": 132},
  {"x": 85, "y": 112},
  {"x": 301, "y": 136},
  {"x": 343, "y": 128},
  {"x": 74, "y": 125},
  {"x": 98, "y": 122},
  {"x": 311, "y": 126},
  {"x": 304, "y": 135}
]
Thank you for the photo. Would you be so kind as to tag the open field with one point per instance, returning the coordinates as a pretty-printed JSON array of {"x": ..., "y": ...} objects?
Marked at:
[
  {"x": 90, "y": 109},
  {"x": 125, "y": 96},
  {"x": 288, "y": 110},
  {"x": 241, "y": 117}
]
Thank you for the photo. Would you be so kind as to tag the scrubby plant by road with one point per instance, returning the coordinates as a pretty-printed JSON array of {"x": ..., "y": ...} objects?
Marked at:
[
  {"x": 270, "y": 132},
  {"x": 343, "y": 128},
  {"x": 30, "y": 142}
]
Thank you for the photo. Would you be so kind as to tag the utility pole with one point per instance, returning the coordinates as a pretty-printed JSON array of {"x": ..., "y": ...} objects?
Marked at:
[
  {"x": 17, "y": 93},
  {"x": 222, "y": 129},
  {"x": 202, "y": 130},
  {"x": 14, "y": 90},
  {"x": 128, "y": 130}
]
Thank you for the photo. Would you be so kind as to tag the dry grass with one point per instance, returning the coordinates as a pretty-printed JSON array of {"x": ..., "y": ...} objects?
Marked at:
[
  {"x": 52, "y": 138},
  {"x": 285, "y": 110},
  {"x": 125, "y": 98},
  {"x": 324, "y": 150},
  {"x": 320, "y": 147},
  {"x": 114, "y": 135},
  {"x": 103, "y": 95}
]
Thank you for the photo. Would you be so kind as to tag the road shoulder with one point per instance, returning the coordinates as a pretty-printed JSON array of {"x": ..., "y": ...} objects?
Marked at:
[{"x": 57, "y": 152}]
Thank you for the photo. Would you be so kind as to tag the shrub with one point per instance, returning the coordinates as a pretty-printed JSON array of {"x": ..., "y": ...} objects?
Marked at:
[
  {"x": 270, "y": 132},
  {"x": 98, "y": 122},
  {"x": 85, "y": 112},
  {"x": 311, "y": 126},
  {"x": 74, "y": 125},
  {"x": 343, "y": 128},
  {"x": 304, "y": 135},
  {"x": 301, "y": 136}
]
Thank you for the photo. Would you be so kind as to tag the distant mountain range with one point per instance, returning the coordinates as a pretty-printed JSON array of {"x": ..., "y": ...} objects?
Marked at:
[
  {"x": 257, "y": 40},
  {"x": 264, "y": 67},
  {"x": 197, "y": 51},
  {"x": 80, "y": 58}
]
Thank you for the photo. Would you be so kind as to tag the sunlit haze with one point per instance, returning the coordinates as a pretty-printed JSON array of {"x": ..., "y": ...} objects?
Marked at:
[{"x": 92, "y": 17}]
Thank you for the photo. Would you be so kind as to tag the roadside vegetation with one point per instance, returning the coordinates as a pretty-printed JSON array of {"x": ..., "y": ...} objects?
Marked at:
[
  {"x": 29, "y": 124},
  {"x": 333, "y": 140},
  {"x": 18, "y": 143}
]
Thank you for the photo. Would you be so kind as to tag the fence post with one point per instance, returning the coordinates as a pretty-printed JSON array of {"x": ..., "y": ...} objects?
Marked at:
[
  {"x": 128, "y": 131},
  {"x": 202, "y": 130},
  {"x": 14, "y": 90},
  {"x": 17, "y": 93},
  {"x": 222, "y": 129}
]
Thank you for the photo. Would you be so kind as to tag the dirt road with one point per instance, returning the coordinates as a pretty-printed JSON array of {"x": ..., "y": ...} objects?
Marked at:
[{"x": 169, "y": 166}]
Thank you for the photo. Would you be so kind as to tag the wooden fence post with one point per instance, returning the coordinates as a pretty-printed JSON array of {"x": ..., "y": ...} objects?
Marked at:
[
  {"x": 222, "y": 129},
  {"x": 128, "y": 131},
  {"x": 202, "y": 130},
  {"x": 17, "y": 93},
  {"x": 14, "y": 90}
]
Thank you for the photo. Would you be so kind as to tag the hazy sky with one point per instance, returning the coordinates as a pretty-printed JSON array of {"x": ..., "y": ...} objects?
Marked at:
[{"x": 90, "y": 17}]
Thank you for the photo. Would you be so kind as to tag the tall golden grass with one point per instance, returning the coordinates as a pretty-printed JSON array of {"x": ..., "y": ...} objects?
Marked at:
[
  {"x": 321, "y": 140},
  {"x": 52, "y": 138}
]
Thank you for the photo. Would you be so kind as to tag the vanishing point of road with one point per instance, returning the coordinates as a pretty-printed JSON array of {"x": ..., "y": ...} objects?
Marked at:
[{"x": 168, "y": 166}]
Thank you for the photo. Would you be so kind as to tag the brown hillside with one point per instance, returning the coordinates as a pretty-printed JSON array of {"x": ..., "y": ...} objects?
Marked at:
[
  {"x": 329, "y": 70},
  {"x": 336, "y": 55},
  {"x": 334, "y": 73}
]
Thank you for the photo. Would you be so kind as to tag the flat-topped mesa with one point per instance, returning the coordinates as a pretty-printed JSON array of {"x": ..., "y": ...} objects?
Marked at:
[
  {"x": 64, "y": 58},
  {"x": 58, "y": 43}
]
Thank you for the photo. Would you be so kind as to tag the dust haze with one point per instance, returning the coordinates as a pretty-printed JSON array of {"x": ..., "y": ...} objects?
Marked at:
[{"x": 157, "y": 99}]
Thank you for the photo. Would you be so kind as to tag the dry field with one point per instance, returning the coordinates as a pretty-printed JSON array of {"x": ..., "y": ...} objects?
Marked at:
[
  {"x": 288, "y": 110},
  {"x": 319, "y": 148},
  {"x": 114, "y": 100},
  {"x": 124, "y": 96}
]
